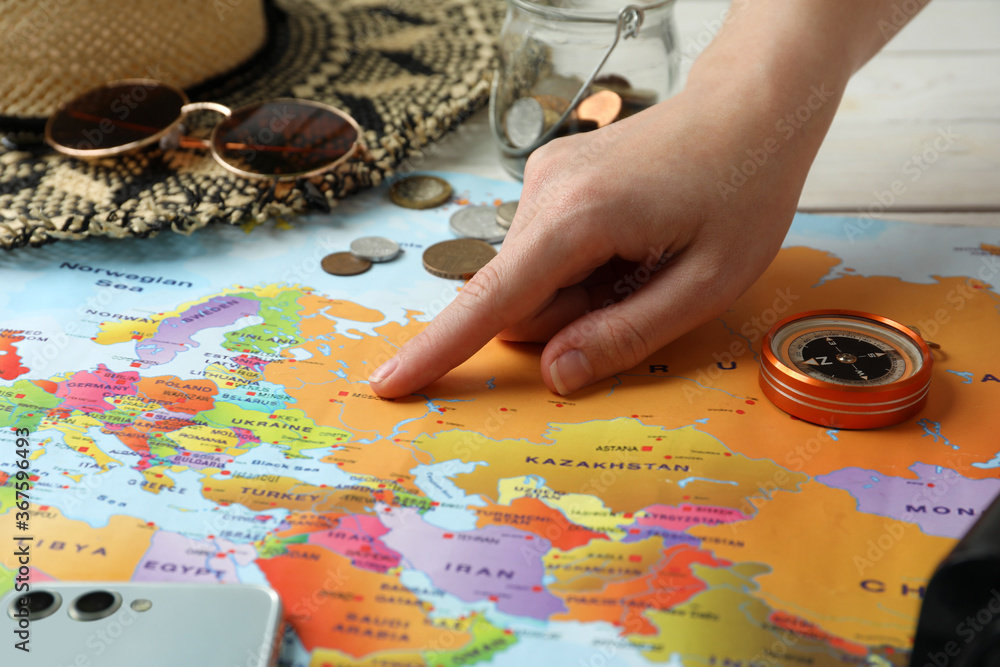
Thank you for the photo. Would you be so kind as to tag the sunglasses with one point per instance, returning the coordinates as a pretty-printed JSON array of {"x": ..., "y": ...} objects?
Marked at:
[{"x": 283, "y": 139}]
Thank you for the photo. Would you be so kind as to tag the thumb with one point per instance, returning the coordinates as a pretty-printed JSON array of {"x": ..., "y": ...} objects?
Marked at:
[{"x": 617, "y": 337}]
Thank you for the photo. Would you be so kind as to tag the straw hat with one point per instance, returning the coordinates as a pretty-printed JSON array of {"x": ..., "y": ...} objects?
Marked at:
[{"x": 406, "y": 71}]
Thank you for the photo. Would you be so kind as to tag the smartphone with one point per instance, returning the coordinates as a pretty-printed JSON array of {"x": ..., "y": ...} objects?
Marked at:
[{"x": 122, "y": 624}]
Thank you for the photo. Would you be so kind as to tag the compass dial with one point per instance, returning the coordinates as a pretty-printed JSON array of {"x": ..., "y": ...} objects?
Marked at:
[
  {"x": 846, "y": 368},
  {"x": 846, "y": 351}
]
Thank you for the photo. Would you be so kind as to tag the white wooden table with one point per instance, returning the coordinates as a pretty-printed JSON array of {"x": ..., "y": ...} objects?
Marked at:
[{"x": 941, "y": 73}]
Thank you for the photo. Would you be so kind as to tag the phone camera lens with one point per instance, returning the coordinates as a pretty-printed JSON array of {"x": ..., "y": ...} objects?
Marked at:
[
  {"x": 38, "y": 605},
  {"x": 95, "y": 605}
]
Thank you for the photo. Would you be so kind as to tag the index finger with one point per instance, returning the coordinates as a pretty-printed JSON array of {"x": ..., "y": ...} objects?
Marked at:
[{"x": 522, "y": 278}]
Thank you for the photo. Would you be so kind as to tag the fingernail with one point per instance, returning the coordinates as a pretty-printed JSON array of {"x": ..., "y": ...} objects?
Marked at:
[
  {"x": 570, "y": 372},
  {"x": 383, "y": 371}
]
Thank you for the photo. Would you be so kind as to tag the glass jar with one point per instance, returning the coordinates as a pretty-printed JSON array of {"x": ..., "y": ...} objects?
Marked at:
[{"x": 569, "y": 66}]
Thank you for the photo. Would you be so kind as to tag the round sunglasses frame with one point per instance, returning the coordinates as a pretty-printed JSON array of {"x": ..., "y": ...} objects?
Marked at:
[{"x": 210, "y": 143}]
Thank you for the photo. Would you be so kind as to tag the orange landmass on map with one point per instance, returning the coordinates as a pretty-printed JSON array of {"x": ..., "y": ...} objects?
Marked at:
[
  {"x": 10, "y": 360},
  {"x": 535, "y": 516},
  {"x": 178, "y": 395},
  {"x": 804, "y": 628},
  {"x": 362, "y": 611},
  {"x": 625, "y": 603},
  {"x": 959, "y": 313},
  {"x": 67, "y": 549},
  {"x": 269, "y": 491},
  {"x": 854, "y": 575}
]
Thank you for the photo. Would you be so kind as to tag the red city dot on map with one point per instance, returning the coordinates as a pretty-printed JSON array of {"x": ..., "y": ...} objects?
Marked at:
[
  {"x": 555, "y": 555},
  {"x": 400, "y": 480},
  {"x": 634, "y": 531},
  {"x": 340, "y": 463},
  {"x": 381, "y": 486},
  {"x": 229, "y": 384},
  {"x": 359, "y": 598},
  {"x": 740, "y": 412},
  {"x": 559, "y": 405},
  {"x": 727, "y": 454},
  {"x": 65, "y": 486},
  {"x": 529, "y": 537},
  {"x": 635, "y": 558},
  {"x": 749, "y": 402},
  {"x": 158, "y": 475},
  {"x": 503, "y": 409},
  {"x": 686, "y": 497},
  {"x": 647, "y": 448},
  {"x": 931, "y": 484},
  {"x": 33, "y": 478},
  {"x": 208, "y": 488},
  {"x": 627, "y": 515},
  {"x": 343, "y": 393},
  {"x": 220, "y": 555},
  {"x": 448, "y": 536},
  {"x": 211, "y": 537},
  {"x": 225, "y": 472},
  {"x": 635, "y": 416},
  {"x": 537, "y": 589},
  {"x": 85, "y": 449},
  {"x": 668, "y": 456},
  {"x": 494, "y": 598},
  {"x": 441, "y": 409},
  {"x": 18, "y": 395},
  {"x": 150, "y": 523},
  {"x": 508, "y": 631},
  {"x": 43, "y": 508},
  {"x": 686, "y": 508},
  {"x": 251, "y": 393},
  {"x": 440, "y": 422},
  {"x": 273, "y": 504},
  {"x": 365, "y": 548},
  {"x": 135, "y": 364},
  {"x": 434, "y": 503},
  {"x": 272, "y": 417}
]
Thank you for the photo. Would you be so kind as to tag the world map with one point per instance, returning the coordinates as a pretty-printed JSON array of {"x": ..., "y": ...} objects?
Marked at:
[{"x": 198, "y": 411}]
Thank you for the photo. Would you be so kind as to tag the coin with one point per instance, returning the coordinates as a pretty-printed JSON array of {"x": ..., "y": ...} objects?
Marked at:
[
  {"x": 375, "y": 248},
  {"x": 458, "y": 259},
  {"x": 525, "y": 122},
  {"x": 613, "y": 81},
  {"x": 344, "y": 264},
  {"x": 420, "y": 192},
  {"x": 477, "y": 222},
  {"x": 602, "y": 107},
  {"x": 505, "y": 213}
]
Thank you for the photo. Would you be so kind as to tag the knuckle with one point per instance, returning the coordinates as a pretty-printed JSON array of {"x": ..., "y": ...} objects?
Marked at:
[
  {"x": 480, "y": 296},
  {"x": 624, "y": 341}
]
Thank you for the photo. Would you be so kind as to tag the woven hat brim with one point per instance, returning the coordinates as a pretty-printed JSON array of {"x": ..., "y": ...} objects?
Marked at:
[{"x": 406, "y": 72}]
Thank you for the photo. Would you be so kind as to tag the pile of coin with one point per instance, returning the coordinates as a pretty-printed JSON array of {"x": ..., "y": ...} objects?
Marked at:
[
  {"x": 458, "y": 259},
  {"x": 364, "y": 252},
  {"x": 610, "y": 98}
]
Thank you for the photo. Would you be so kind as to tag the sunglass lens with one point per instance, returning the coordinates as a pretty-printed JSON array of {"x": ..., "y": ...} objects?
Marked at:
[
  {"x": 283, "y": 138},
  {"x": 115, "y": 117}
]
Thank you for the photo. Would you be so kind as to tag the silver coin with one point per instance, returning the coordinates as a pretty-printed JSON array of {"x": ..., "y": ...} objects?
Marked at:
[
  {"x": 478, "y": 222},
  {"x": 375, "y": 248},
  {"x": 505, "y": 213},
  {"x": 525, "y": 122}
]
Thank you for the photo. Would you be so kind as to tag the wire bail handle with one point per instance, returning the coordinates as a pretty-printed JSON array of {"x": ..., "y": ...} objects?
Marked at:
[{"x": 627, "y": 25}]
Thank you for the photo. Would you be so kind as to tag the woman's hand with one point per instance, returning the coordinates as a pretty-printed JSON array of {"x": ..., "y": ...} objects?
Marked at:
[{"x": 629, "y": 236}]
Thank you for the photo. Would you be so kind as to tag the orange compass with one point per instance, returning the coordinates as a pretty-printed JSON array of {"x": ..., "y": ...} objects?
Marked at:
[{"x": 845, "y": 369}]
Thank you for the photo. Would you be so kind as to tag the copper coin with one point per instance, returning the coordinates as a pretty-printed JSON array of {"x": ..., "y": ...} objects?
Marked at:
[
  {"x": 602, "y": 108},
  {"x": 613, "y": 81},
  {"x": 420, "y": 192},
  {"x": 344, "y": 264},
  {"x": 458, "y": 259}
]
